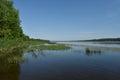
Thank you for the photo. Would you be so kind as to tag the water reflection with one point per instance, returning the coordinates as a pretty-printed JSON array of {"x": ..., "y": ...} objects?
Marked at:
[
  {"x": 60, "y": 65},
  {"x": 9, "y": 65},
  {"x": 41, "y": 52},
  {"x": 10, "y": 62},
  {"x": 90, "y": 52},
  {"x": 9, "y": 71},
  {"x": 77, "y": 51},
  {"x": 37, "y": 53}
]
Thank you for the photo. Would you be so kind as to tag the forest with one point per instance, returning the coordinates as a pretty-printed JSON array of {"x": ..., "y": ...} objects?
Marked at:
[{"x": 10, "y": 22}]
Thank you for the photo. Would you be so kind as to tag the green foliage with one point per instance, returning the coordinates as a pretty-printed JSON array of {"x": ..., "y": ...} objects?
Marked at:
[
  {"x": 8, "y": 45},
  {"x": 10, "y": 21},
  {"x": 51, "y": 47}
]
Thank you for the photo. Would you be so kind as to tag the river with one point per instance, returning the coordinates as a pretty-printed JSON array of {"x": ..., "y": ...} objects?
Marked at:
[{"x": 84, "y": 61}]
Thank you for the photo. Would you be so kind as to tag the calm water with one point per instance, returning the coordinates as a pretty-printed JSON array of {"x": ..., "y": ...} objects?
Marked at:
[{"x": 81, "y": 62}]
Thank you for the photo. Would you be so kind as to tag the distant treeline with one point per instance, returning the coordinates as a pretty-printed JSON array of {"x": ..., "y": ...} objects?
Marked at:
[
  {"x": 102, "y": 39},
  {"x": 10, "y": 22},
  {"x": 41, "y": 40},
  {"x": 105, "y": 39}
]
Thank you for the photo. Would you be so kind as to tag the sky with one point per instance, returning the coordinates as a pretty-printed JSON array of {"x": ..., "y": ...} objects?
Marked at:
[{"x": 69, "y": 19}]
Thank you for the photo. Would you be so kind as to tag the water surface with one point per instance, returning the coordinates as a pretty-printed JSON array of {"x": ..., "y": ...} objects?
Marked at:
[{"x": 88, "y": 62}]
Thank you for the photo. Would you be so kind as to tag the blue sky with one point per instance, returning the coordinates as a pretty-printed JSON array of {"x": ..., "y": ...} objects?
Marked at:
[{"x": 69, "y": 19}]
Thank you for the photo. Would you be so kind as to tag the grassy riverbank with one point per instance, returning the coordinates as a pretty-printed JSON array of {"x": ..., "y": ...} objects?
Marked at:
[{"x": 7, "y": 46}]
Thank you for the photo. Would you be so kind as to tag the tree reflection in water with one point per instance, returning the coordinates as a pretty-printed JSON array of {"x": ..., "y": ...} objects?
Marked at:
[
  {"x": 9, "y": 71},
  {"x": 9, "y": 65}
]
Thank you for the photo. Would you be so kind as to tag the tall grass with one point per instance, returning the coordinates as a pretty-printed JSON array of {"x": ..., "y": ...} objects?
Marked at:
[
  {"x": 5, "y": 43},
  {"x": 7, "y": 46},
  {"x": 11, "y": 51}
]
